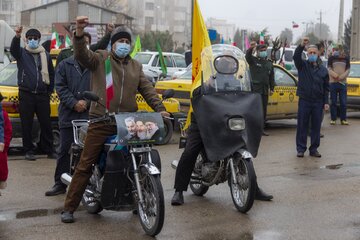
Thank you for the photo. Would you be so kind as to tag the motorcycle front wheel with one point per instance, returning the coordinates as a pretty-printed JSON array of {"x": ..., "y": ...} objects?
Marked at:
[
  {"x": 197, "y": 188},
  {"x": 243, "y": 190},
  {"x": 152, "y": 210}
]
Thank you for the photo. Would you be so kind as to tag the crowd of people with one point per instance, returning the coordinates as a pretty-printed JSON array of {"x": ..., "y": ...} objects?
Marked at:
[{"x": 83, "y": 67}]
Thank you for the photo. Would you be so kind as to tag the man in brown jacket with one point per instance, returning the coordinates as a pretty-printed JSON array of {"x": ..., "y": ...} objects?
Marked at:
[{"x": 117, "y": 94}]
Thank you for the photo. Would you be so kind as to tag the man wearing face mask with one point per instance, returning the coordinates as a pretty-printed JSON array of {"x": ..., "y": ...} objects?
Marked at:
[
  {"x": 36, "y": 84},
  {"x": 262, "y": 74},
  {"x": 339, "y": 69},
  {"x": 71, "y": 79},
  {"x": 126, "y": 77},
  {"x": 313, "y": 92}
]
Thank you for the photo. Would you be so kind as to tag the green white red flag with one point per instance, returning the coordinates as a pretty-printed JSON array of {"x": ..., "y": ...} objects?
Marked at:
[
  {"x": 109, "y": 82},
  {"x": 55, "y": 41},
  {"x": 262, "y": 38},
  {"x": 67, "y": 41}
]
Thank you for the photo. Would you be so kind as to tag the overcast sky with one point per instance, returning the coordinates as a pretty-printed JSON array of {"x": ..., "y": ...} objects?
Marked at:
[{"x": 276, "y": 14}]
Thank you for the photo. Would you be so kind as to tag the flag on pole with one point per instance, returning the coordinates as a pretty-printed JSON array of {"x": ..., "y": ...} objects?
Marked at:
[
  {"x": 137, "y": 47},
  {"x": 295, "y": 25},
  {"x": 200, "y": 40},
  {"x": 55, "y": 41},
  {"x": 109, "y": 82},
  {"x": 161, "y": 59},
  {"x": 67, "y": 41},
  {"x": 247, "y": 43},
  {"x": 262, "y": 38}
]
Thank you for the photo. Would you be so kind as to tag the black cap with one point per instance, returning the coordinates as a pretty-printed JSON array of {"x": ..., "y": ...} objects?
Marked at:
[
  {"x": 33, "y": 32},
  {"x": 120, "y": 32},
  {"x": 260, "y": 46}
]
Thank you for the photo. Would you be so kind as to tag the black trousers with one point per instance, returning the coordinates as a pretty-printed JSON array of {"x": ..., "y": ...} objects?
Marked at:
[
  {"x": 265, "y": 100},
  {"x": 188, "y": 158},
  {"x": 39, "y": 104},
  {"x": 63, "y": 160}
]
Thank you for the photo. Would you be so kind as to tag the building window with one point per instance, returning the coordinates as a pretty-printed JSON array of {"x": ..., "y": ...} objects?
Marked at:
[
  {"x": 149, "y": 6},
  {"x": 149, "y": 21}
]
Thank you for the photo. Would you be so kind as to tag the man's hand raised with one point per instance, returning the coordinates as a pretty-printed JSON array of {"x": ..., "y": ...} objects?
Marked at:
[
  {"x": 18, "y": 31},
  {"x": 81, "y": 23}
]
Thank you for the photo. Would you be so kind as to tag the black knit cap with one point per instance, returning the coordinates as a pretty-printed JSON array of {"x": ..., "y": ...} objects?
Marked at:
[
  {"x": 120, "y": 32},
  {"x": 33, "y": 32},
  {"x": 261, "y": 46}
]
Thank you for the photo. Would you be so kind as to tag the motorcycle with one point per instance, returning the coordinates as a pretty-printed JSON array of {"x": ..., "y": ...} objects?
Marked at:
[
  {"x": 230, "y": 120},
  {"x": 127, "y": 174}
]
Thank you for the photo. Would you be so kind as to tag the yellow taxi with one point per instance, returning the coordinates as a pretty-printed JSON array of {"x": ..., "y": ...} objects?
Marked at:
[
  {"x": 9, "y": 90},
  {"x": 282, "y": 104},
  {"x": 353, "y": 86}
]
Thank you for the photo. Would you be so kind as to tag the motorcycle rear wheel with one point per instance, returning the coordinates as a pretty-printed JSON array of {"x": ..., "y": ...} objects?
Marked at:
[
  {"x": 197, "y": 188},
  {"x": 243, "y": 191},
  {"x": 152, "y": 211}
]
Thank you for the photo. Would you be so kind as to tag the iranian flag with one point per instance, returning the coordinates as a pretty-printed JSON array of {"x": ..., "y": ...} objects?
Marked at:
[
  {"x": 55, "y": 41},
  {"x": 109, "y": 82},
  {"x": 262, "y": 38},
  {"x": 67, "y": 41}
]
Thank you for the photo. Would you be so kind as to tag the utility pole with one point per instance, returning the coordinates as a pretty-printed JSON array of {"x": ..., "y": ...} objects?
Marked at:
[
  {"x": 341, "y": 23},
  {"x": 320, "y": 24},
  {"x": 355, "y": 31}
]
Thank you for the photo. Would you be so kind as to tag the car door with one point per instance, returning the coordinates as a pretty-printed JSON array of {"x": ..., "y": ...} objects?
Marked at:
[{"x": 285, "y": 92}]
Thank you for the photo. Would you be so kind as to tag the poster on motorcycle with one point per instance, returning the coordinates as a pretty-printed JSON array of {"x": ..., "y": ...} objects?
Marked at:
[{"x": 139, "y": 128}]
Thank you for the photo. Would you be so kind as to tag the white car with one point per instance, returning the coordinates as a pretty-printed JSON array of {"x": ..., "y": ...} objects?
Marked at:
[
  {"x": 287, "y": 58},
  {"x": 150, "y": 61}
]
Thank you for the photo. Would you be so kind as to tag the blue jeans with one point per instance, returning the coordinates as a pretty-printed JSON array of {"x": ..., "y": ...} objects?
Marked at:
[
  {"x": 335, "y": 90},
  {"x": 308, "y": 110}
]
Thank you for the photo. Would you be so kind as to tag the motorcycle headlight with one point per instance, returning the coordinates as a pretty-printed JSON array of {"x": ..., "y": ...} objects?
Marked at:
[{"x": 236, "y": 124}]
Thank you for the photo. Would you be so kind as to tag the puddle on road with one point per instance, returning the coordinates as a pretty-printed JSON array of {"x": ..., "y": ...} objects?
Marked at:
[
  {"x": 332, "y": 166},
  {"x": 5, "y": 216}
]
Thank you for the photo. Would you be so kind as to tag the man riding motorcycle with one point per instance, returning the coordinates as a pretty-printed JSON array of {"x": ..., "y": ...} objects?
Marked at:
[
  {"x": 194, "y": 143},
  {"x": 115, "y": 78}
]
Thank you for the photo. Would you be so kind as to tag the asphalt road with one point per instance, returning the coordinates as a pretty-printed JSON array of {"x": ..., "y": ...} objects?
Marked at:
[{"x": 313, "y": 198}]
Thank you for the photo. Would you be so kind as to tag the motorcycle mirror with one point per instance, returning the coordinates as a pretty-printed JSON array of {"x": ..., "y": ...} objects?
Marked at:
[
  {"x": 226, "y": 64},
  {"x": 168, "y": 93},
  {"x": 90, "y": 96}
]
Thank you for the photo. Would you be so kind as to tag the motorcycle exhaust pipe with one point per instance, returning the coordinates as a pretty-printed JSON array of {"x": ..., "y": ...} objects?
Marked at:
[{"x": 66, "y": 179}]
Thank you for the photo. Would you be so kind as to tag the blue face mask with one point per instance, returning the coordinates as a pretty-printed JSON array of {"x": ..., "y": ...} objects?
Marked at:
[
  {"x": 122, "y": 50},
  {"x": 263, "y": 54},
  {"x": 313, "y": 58},
  {"x": 33, "y": 44},
  {"x": 336, "y": 53}
]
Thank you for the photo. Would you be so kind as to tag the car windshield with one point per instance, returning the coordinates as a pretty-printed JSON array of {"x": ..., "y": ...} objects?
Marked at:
[
  {"x": 354, "y": 70},
  {"x": 143, "y": 58},
  {"x": 8, "y": 75}
]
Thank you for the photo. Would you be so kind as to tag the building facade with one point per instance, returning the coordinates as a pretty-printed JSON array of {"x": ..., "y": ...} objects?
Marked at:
[{"x": 226, "y": 30}]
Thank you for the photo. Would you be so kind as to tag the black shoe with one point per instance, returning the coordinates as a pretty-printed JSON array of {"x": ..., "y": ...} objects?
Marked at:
[
  {"x": 30, "y": 156},
  {"x": 56, "y": 190},
  {"x": 265, "y": 134},
  {"x": 262, "y": 196},
  {"x": 67, "y": 217},
  {"x": 315, "y": 154},
  {"x": 177, "y": 199},
  {"x": 135, "y": 211},
  {"x": 321, "y": 135},
  {"x": 300, "y": 154},
  {"x": 52, "y": 155}
]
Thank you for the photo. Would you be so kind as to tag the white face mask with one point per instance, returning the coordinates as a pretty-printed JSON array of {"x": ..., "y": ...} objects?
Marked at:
[{"x": 88, "y": 46}]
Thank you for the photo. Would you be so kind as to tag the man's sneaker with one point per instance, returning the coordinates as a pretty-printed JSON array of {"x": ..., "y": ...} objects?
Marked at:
[
  {"x": 57, "y": 189},
  {"x": 30, "y": 156},
  {"x": 67, "y": 217},
  {"x": 344, "y": 122},
  {"x": 315, "y": 154},
  {"x": 300, "y": 154},
  {"x": 332, "y": 122}
]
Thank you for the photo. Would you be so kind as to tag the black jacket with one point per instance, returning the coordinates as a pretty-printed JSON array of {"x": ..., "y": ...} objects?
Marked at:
[
  {"x": 29, "y": 73},
  {"x": 313, "y": 82},
  {"x": 70, "y": 82}
]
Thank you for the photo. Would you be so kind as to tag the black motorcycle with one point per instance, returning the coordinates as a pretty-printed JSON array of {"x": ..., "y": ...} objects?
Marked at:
[
  {"x": 230, "y": 120},
  {"x": 127, "y": 174}
]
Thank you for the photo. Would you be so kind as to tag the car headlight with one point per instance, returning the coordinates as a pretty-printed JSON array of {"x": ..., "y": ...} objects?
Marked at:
[{"x": 236, "y": 124}]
